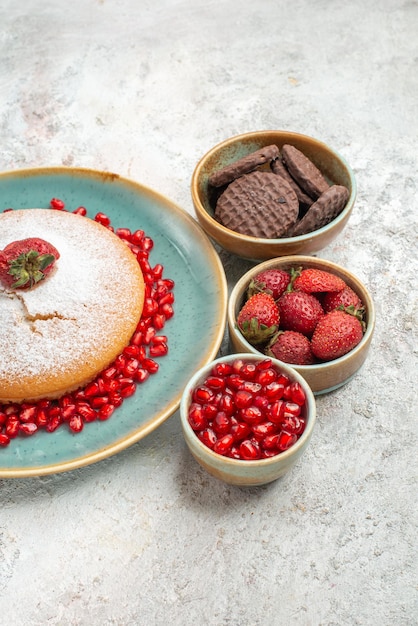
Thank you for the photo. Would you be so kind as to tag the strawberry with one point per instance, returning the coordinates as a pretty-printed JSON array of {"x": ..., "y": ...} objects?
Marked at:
[
  {"x": 273, "y": 281},
  {"x": 341, "y": 300},
  {"x": 312, "y": 280},
  {"x": 299, "y": 311},
  {"x": 291, "y": 347},
  {"x": 26, "y": 262},
  {"x": 336, "y": 333},
  {"x": 259, "y": 318}
]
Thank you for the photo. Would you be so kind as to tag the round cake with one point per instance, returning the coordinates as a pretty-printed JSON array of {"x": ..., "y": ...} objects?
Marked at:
[{"x": 60, "y": 334}]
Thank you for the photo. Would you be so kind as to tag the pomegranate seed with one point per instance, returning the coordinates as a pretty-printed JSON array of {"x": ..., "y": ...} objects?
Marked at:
[
  {"x": 81, "y": 210},
  {"x": 27, "y": 414},
  {"x": 243, "y": 399},
  {"x": 123, "y": 233},
  {"x": 251, "y": 415},
  {"x": 297, "y": 394},
  {"x": 76, "y": 423},
  {"x": 202, "y": 394},
  {"x": 150, "y": 307},
  {"x": 141, "y": 375},
  {"x": 57, "y": 204},
  {"x": 208, "y": 437},
  {"x": 4, "y": 439},
  {"x": 28, "y": 428},
  {"x": 53, "y": 424},
  {"x": 240, "y": 431},
  {"x": 105, "y": 412},
  {"x": 249, "y": 450},
  {"x": 210, "y": 411},
  {"x": 128, "y": 390},
  {"x": 266, "y": 377},
  {"x": 92, "y": 389},
  {"x": 157, "y": 271},
  {"x": 215, "y": 382},
  {"x": 158, "y": 321},
  {"x": 222, "y": 369},
  {"x": 41, "y": 418},
  {"x": 3, "y": 418},
  {"x": 286, "y": 440},
  {"x": 197, "y": 420},
  {"x": 12, "y": 427},
  {"x": 99, "y": 401},
  {"x": 223, "y": 445},
  {"x": 159, "y": 349},
  {"x": 291, "y": 408},
  {"x": 102, "y": 219},
  {"x": 248, "y": 371},
  {"x": 221, "y": 423},
  {"x": 167, "y": 310}
]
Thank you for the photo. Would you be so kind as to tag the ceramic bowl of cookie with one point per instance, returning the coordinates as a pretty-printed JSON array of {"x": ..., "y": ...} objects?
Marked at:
[
  {"x": 231, "y": 419},
  {"x": 326, "y": 348},
  {"x": 266, "y": 194}
]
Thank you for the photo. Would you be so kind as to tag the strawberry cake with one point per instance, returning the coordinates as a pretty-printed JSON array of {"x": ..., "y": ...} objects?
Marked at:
[{"x": 60, "y": 333}]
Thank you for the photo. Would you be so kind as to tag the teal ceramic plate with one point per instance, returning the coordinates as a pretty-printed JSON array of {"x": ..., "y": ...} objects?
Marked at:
[{"x": 195, "y": 332}]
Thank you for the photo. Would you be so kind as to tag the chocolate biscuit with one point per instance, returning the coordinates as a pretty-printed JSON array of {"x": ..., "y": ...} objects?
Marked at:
[
  {"x": 305, "y": 173},
  {"x": 278, "y": 168},
  {"x": 324, "y": 210},
  {"x": 243, "y": 166},
  {"x": 258, "y": 204}
]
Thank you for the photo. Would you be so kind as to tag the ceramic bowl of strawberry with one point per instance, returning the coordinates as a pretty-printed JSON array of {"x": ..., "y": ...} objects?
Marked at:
[
  {"x": 322, "y": 329},
  {"x": 301, "y": 195},
  {"x": 247, "y": 419}
]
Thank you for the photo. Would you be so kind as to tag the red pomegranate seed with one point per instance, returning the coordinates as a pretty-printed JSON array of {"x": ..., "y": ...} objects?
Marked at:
[
  {"x": 102, "y": 219},
  {"x": 262, "y": 430},
  {"x": 208, "y": 437},
  {"x": 243, "y": 399},
  {"x": 221, "y": 423},
  {"x": 248, "y": 371},
  {"x": 167, "y": 310},
  {"x": 197, "y": 419},
  {"x": 240, "y": 431},
  {"x": 215, "y": 382},
  {"x": 81, "y": 210},
  {"x": 251, "y": 415},
  {"x": 105, "y": 412},
  {"x": 224, "y": 444},
  {"x": 28, "y": 428},
  {"x": 297, "y": 393},
  {"x": 150, "y": 365},
  {"x": 76, "y": 423},
  {"x": 202, "y": 394},
  {"x": 53, "y": 424},
  {"x": 286, "y": 440},
  {"x": 123, "y": 233},
  {"x": 12, "y": 427},
  {"x": 99, "y": 401},
  {"x": 3, "y": 419},
  {"x": 249, "y": 450},
  {"x": 27, "y": 414},
  {"x": 159, "y": 349},
  {"x": 4, "y": 439},
  {"x": 57, "y": 204},
  {"x": 128, "y": 390},
  {"x": 141, "y": 375}
]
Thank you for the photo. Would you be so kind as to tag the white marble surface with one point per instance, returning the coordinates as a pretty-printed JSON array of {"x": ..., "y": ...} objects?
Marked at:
[{"x": 143, "y": 89}]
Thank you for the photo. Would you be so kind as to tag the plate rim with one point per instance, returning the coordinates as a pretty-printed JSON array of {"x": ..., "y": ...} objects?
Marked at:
[{"x": 172, "y": 405}]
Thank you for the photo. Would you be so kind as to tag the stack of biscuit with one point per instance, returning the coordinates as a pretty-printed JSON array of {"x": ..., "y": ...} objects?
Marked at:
[{"x": 289, "y": 199}]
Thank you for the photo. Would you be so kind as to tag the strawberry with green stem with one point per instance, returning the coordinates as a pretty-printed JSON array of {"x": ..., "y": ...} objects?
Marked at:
[
  {"x": 259, "y": 318},
  {"x": 26, "y": 262}
]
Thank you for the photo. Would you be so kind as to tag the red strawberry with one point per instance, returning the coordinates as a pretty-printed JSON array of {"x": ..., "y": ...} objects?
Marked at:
[
  {"x": 336, "y": 333},
  {"x": 312, "y": 280},
  {"x": 273, "y": 281},
  {"x": 259, "y": 318},
  {"x": 341, "y": 299},
  {"x": 26, "y": 262},
  {"x": 299, "y": 311},
  {"x": 291, "y": 347}
]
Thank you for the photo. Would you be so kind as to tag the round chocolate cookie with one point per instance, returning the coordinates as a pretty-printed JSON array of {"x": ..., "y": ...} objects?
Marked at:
[
  {"x": 305, "y": 173},
  {"x": 278, "y": 168},
  {"x": 324, "y": 210},
  {"x": 258, "y": 204}
]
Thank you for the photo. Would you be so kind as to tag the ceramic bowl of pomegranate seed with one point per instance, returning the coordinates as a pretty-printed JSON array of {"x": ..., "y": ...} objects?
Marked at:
[
  {"x": 247, "y": 419},
  {"x": 308, "y": 312},
  {"x": 265, "y": 194}
]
